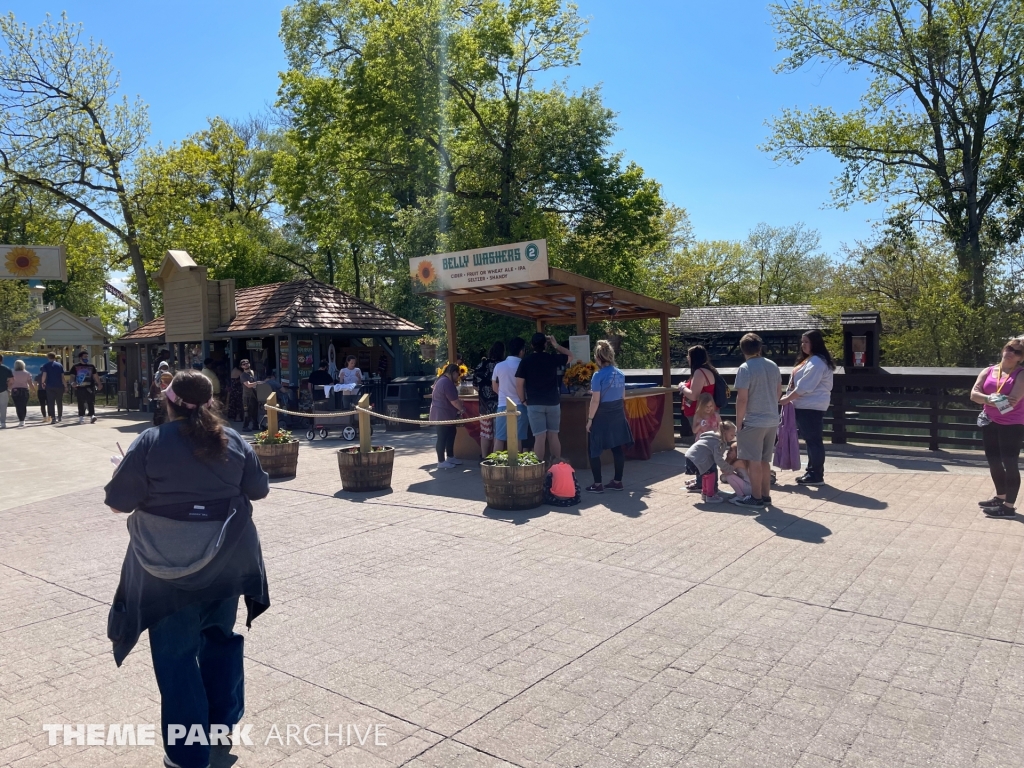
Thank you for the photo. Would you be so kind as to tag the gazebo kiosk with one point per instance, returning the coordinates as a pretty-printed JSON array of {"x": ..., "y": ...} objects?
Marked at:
[{"x": 515, "y": 280}]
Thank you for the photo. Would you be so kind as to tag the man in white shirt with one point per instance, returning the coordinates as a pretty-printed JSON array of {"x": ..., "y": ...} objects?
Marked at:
[{"x": 505, "y": 383}]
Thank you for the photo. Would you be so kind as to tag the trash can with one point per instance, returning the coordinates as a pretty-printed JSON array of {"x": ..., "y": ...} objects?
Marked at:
[{"x": 402, "y": 401}]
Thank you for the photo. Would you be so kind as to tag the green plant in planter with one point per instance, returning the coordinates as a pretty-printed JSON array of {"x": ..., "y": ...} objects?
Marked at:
[
  {"x": 500, "y": 458},
  {"x": 373, "y": 449},
  {"x": 278, "y": 438}
]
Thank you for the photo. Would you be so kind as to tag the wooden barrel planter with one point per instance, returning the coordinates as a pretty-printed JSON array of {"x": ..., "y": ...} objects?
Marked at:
[
  {"x": 513, "y": 487},
  {"x": 366, "y": 471},
  {"x": 279, "y": 460}
]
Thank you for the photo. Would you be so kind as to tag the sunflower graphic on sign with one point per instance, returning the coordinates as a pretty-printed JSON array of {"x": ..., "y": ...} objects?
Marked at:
[
  {"x": 22, "y": 262},
  {"x": 425, "y": 274}
]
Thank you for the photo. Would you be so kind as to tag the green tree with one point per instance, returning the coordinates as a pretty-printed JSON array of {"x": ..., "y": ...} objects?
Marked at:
[
  {"x": 780, "y": 266},
  {"x": 212, "y": 196},
  {"x": 30, "y": 216},
  {"x": 63, "y": 130},
  {"x": 19, "y": 317},
  {"x": 941, "y": 122},
  {"x": 703, "y": 273},
  {"x": 427, "y": 114}
]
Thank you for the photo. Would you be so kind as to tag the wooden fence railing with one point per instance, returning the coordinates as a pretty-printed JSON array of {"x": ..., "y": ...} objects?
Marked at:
[{"x": 908, "y": 406}]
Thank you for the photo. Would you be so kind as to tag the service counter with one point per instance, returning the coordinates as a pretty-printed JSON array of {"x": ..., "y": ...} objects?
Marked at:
[{"x": 648, "y": 410}]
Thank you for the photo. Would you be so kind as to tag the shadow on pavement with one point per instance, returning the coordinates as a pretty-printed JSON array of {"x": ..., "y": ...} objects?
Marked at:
[
  {"x": 826, "y": 493},
  {"x": 518, "y": 516},
  {"x": 787, "y": 526},
  {"x": 362, "y": 496}
]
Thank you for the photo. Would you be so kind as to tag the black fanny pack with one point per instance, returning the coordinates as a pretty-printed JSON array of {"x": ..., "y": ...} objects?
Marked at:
[{"x": 201, "y": 511}]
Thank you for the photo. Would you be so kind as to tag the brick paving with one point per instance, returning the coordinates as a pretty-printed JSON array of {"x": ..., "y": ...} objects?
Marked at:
[{"x": 875, "y": 621}]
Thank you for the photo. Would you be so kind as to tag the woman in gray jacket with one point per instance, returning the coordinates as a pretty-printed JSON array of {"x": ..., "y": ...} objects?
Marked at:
[{"x": 810, "y": 391}]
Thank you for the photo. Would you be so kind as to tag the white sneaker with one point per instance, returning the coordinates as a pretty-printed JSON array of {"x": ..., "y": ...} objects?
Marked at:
[
  {"x": 81, "y": 419},
  {"x": 454, "y": 462},
  {"x": 445, "y": 465},
  {"x": 21, "y": 424}
]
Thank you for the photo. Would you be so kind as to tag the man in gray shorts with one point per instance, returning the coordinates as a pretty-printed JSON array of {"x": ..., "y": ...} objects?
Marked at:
[
  {"x": 758, "y": 389},
  {"x": 539, "y": 372}
]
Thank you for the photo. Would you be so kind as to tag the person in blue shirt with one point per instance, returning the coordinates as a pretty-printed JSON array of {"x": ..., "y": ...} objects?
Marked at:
[
  {"x": 51, "y": 375},
  {"x": 606, "y": 417}
]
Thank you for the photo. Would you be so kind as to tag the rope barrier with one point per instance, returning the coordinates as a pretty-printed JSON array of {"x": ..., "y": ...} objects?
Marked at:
[{"x": 321, "y": 414}]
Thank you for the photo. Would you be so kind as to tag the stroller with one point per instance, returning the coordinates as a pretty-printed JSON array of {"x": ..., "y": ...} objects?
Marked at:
[{"x": 322, "y": 425}]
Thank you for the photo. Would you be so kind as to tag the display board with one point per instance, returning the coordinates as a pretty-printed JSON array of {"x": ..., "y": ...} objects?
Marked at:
[
  {"x": 33, "y": 262},
  {"x": 496, "y": 265}
]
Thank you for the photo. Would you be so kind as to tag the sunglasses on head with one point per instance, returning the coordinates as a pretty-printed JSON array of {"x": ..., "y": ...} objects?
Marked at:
[{"x": 1015, "y": 350}]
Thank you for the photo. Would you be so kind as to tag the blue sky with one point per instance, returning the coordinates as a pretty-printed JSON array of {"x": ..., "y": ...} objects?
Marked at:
[{"x": 692, "y": 84}]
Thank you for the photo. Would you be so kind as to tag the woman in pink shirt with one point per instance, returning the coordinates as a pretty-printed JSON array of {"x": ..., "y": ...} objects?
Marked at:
[
  {"x": 999, "y": 389},
  {"x": 21, "y": 385}
]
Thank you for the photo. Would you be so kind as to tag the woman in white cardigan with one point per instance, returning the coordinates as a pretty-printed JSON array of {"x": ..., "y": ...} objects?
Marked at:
[{"x": 810, "y": 391}]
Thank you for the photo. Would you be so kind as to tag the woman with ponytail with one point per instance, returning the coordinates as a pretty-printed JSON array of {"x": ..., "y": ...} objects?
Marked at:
[{"x": 193, "y": 552}]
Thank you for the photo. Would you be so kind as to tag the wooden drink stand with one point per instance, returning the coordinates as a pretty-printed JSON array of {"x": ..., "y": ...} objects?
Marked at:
[{"x": 496, "y": 280}]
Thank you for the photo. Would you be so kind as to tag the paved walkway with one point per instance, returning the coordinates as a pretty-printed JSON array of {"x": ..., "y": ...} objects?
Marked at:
[{"x": 872, "y": 622}]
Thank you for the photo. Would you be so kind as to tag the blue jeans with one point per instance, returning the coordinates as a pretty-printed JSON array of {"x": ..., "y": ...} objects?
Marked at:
[
  {"x": 197, "y": 659},
  {"x": 809, "y": 424}
]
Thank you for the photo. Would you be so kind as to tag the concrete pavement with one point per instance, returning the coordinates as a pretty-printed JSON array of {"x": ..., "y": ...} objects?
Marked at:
[{"x": 873, "y": 621}]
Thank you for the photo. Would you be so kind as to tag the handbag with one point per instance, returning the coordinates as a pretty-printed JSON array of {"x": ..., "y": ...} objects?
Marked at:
[{"x": 983, "y": 419}]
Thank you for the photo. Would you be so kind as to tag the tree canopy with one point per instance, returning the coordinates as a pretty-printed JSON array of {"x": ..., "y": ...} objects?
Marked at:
[{"x": 941, "y": 123}]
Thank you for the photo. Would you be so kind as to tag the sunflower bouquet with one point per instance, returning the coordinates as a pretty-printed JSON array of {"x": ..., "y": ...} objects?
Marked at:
[
  {"x": 463, "y": 371},
  {"x": 578, "y": 376}
]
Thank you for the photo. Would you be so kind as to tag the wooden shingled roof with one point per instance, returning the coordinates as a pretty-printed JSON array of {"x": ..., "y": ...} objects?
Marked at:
[
  {"x": 766, "y": 318},
  {"x": 554, "y": 301},
  {"x": 302, "y": 305}
]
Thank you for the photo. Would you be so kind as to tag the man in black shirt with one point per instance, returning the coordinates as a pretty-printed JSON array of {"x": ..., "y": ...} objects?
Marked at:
[
  {"x": 318, "y": 380},
  {"x": 539, "y": 372},
  {"x": 84, "y": 381}
]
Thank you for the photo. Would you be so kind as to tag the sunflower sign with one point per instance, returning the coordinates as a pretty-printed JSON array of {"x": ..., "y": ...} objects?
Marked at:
[
  {"x": 514, "y": 263},
  {"x": 33, "y": 262}
]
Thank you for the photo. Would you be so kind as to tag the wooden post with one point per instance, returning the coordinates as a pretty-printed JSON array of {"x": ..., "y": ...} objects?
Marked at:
[
  {"x": 666, "y": 354},
  {"x": 540, "y": 326},
  {"x": 512, "y": 431},
  {"x": 449, "y": 321},
  {"x": 581, "y": 312},
  {"x": 271, "y": 414},
  {"x": 364, "y": 425}
]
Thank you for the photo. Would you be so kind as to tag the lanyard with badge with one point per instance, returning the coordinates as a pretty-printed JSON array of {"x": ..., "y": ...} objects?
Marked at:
[{"x": 997, "y": 399}]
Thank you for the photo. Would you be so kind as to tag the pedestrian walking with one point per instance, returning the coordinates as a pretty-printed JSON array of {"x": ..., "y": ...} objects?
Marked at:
[
  {"x": 508, "y": 387},
  {"x": 84, "y": 381},
  {"x": 52, "y": 374},
  {"x": 41, "y": 395},
  {"x": 1000, "y": 389},
  {"x": 6, "y": 374},
  {"x": 21, "y": 384},
  {"x": 193, "y": 552},
  {"x": 539, "y": 373},
  {"x": 250, "y": 402},
  {"x": 810, "y": 392},
  {"x": 758, "y": 391},
  {"x": 445, "y": 405},
  {"x": 483, "y": 377},
  {"x": 607, "y": 427}
]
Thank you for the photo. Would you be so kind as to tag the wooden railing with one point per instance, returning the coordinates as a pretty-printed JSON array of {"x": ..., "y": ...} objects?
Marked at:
[{"x": 908, "y": 406}]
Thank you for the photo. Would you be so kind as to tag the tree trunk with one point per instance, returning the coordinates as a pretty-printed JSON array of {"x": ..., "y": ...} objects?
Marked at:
[{"x": 141, "y": 281}]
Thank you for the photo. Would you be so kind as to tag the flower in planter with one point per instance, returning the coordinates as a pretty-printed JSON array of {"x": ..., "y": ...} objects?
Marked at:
[
  {"x": 500, "y": 459},
  {"x": 277, "y": 438}
]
